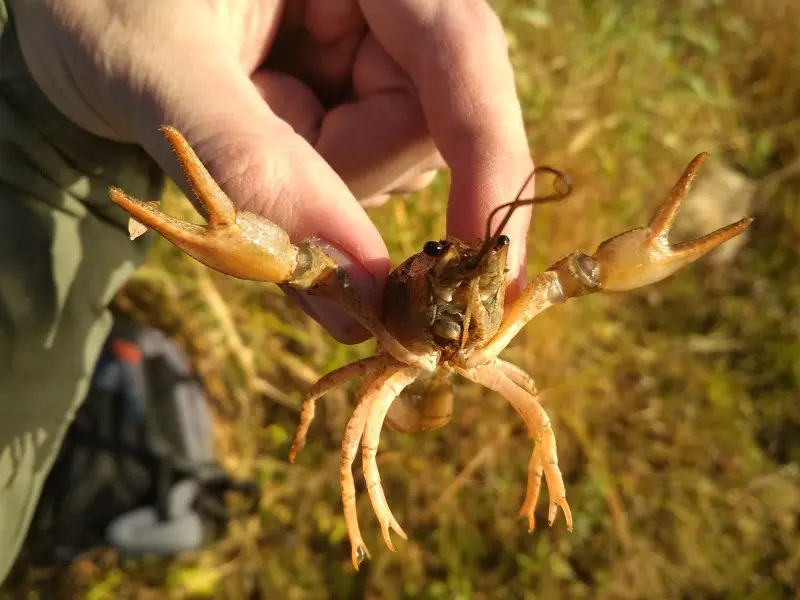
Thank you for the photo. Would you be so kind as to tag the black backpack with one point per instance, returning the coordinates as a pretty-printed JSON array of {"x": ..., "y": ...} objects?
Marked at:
[{"x": 136, "y": 470}]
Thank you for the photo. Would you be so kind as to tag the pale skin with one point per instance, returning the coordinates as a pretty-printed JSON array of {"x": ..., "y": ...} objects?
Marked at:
[
  {"x": 302, "y": 111},
  {"x": 443, "y": 312}
]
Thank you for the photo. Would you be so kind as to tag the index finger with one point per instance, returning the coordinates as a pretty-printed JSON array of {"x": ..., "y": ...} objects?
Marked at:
[{"x": 456, "y": 54}]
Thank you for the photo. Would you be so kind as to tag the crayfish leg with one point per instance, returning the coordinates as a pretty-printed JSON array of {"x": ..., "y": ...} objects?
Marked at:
[
  {"x": 369, "y": 444},
  {"x": 366, "y": 367},
  {"x": 540, "y": 429}
]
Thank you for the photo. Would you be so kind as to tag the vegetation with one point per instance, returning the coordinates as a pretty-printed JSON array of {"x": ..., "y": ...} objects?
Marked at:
[{"x": 675, "y": 407}]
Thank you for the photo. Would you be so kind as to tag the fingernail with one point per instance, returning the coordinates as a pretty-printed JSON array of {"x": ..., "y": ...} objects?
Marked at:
[
  {"x": 416, "y": 183},
  {"x": 375, "y": 201},
  {"x": 327, "y": 313}
]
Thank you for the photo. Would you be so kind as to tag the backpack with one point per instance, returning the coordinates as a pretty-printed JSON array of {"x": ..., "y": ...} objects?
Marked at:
[{"x": 136, "y": 469}]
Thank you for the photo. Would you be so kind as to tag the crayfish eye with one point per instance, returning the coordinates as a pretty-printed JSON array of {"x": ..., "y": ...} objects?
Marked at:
[
  {"x": 501, "y": 242},
  {"x": 434, "y": 249}
]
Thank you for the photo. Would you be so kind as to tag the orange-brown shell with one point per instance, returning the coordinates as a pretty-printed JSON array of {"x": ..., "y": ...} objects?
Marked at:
[{"x": 424, "y": 288}]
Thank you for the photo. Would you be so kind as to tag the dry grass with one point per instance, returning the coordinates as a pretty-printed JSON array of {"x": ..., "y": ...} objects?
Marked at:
[{"x": 676, "y": 407}]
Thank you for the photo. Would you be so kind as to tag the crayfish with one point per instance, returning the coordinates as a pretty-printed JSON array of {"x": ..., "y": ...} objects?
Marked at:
[{"x": 442, "y": 314}]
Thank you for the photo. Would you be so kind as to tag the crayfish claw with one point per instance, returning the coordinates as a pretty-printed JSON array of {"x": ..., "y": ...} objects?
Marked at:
[
  {"x": 664, "y": 218},
  {"x": 389, "y": 523},
  {"x": 146, "y": 215},
  {"x": 553, "y": 512},
  {"x": 238, "y": 243},
  {"x": 643, "y": 256},
  {"x": 219, "y": 207}
]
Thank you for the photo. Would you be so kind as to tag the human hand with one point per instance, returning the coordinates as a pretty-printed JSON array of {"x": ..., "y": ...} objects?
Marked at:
[{"x": 297, "y": 109}]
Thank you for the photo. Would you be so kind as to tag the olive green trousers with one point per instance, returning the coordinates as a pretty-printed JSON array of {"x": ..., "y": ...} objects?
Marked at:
[{"x": 64, "y": 252}]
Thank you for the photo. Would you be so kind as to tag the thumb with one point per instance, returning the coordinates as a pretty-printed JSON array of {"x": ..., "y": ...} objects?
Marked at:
[{"x": 265, "y": 168}]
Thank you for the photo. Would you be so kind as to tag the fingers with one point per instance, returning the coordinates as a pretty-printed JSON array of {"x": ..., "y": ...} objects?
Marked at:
[
  {"x": 378, "y": 145},
  {"x": 292, "y": 101},
  {"x": 326, "y": 67},
  {"x": 377, "y": 141},
  {"x": 414, "y": 184},
  {"x": 456, "y": 56},
  {"x": 317, "y": 44},
  {"x": 330, "y": 20},
  {"x": 263, "y": 165},
  {"x": 380, "y": 141}
]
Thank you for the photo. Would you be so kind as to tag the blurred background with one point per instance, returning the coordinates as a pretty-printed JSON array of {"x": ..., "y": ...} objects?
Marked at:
[{"x": 675, "y": 407}]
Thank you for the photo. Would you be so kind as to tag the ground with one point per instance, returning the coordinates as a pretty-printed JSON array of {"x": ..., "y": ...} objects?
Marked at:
[{"x": 675, "y": 407}]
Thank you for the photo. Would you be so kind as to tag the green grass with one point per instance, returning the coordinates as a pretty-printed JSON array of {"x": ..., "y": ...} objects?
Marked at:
[{"x": 676, "y": 407}]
